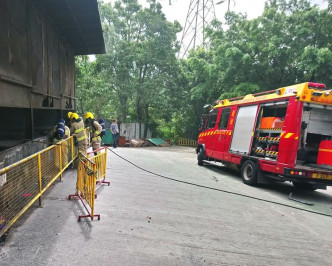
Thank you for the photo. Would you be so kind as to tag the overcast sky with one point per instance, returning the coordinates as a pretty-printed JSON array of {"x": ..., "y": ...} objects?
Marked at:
[{"x": 179, "y": 8}]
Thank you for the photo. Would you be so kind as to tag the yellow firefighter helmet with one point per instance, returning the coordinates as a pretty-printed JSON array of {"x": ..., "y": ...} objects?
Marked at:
[
  {"x": 74, "y": 116},
  {"x": 69, "y": 114},
  {"x": 88, "y": 115}
]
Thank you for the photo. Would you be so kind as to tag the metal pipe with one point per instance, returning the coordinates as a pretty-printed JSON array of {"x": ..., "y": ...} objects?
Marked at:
[
  {"x": 16, "y": 82},
  {"x": 86, "y": 158},
  {"x": 45, "y": 94},
  {"x": 68, "y": 96}
]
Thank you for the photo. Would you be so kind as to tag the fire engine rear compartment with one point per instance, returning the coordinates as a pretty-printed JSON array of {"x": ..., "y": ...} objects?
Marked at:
[
  {"x": 316, "y": 127},
  {"x": 268, "y": 129}
]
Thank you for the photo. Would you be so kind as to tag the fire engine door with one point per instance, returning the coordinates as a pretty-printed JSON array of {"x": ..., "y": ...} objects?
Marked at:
[
  {"x": 210, "y": 132},
  {"x": 243, "y": 129},
  {"x": 221, "y": 138}
]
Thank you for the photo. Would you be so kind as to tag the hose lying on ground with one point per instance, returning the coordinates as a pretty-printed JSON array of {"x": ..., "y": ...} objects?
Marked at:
[{"x": 221, "y": 190}]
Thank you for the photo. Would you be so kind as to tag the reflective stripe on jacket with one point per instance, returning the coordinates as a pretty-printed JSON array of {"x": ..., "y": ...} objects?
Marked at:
[{"x": 78, "y": 129}]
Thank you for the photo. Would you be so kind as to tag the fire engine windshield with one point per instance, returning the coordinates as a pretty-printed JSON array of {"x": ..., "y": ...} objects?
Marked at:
[
  {"x": 212, "y": 118},
  {"x": 208, "y": 120}
]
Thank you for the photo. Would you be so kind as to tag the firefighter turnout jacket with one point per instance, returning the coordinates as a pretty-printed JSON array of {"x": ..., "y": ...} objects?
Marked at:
[
  {"x": 95, "y": 130},
  {"x": 77, "y": 129}
]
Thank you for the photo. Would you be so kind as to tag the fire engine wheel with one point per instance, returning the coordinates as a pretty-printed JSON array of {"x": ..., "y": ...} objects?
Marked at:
[
  {"x": 249, "y": 172},
  {"x": 200, "y": 156}
]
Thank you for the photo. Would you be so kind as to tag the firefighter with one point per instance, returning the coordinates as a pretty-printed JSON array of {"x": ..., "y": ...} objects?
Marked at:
[
  {"x": 67, "y": 130},
  {"x": 95, "y": 130},
  {"x": 65, "y": 144},
  {"x": 57, "y": 134},
  {"x": 61, "y": 132},
  {"x": 101, "y": 121},
  {"x": 77, "y": 129},
  {"x": 68, "y": 116}
]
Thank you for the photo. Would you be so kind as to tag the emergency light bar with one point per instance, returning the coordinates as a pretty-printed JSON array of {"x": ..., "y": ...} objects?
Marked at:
[
  {"x": 316, "y": 85},
  {"x": 306, "y": 92}
]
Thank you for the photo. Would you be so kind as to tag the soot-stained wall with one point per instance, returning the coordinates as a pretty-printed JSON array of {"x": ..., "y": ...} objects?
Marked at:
[{"x": 36, "y": 72}]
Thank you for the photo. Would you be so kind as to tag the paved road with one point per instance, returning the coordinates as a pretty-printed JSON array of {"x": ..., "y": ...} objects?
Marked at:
[{"x": 149, "y": 220}]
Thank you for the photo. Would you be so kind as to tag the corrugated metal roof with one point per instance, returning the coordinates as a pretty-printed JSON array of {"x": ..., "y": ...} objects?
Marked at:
[{"x": 78, "y": 22}]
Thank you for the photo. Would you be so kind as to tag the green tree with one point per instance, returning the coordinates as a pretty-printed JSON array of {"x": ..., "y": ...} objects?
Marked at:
[
  {"x": 289, "y": 43},
  {"x": 140, "y": 62},
  {"x": 92, "y": 91},
  {"x": 140, "y": 79}
]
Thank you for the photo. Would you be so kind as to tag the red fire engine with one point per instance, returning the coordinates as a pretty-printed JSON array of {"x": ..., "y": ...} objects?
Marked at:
[{"x": 285, "y": 134}]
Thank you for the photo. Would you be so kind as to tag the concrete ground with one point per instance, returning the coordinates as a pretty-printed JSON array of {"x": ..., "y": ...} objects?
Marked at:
[{"x": 150, "y": 220}]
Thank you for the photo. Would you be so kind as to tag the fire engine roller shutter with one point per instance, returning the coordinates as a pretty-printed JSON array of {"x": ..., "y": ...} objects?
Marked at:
[{"x": 243, "y": 128}]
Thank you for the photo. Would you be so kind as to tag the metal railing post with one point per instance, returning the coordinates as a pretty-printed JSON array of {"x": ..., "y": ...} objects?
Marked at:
[
  {"x": 40, "y": 181},
  {"x": 72, "y": 148},
  {"x": 93, "y": 190},
  {"x": 60, "y": 151}
]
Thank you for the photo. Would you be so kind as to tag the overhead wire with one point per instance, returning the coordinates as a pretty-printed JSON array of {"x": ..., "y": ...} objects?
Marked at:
[{"x": 222, "y": 190}]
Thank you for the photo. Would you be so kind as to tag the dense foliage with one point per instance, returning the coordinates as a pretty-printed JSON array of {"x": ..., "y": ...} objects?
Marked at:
[{"x": 140, "y": 79}]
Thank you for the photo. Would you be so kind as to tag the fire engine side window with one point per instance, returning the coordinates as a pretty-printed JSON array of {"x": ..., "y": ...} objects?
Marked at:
[
  {"x": 224, "y": 118},
  {"x": 212, "y": 118},
  {"x": 202, "y": 124}
]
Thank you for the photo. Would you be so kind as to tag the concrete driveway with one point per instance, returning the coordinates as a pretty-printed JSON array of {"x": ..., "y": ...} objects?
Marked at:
[{"x": 150, "y": 220}]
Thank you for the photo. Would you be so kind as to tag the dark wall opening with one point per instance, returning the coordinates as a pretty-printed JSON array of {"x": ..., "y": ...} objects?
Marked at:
[
  {"x": 15, "y": 123},
  {"x": 44, "y": 120},
  {"x": 17, "y": 127}
]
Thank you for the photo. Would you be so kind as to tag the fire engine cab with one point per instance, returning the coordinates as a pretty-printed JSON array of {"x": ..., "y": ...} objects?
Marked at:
[{"x": 285, "y": 134}]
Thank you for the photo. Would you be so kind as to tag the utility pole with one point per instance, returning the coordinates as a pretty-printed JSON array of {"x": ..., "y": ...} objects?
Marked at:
[
  {"x": 223, "y": 1},
  {"x": 200, "y": 15}
]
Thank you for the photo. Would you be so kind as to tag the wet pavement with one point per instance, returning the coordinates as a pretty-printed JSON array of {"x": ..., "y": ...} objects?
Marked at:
[{"x": 148, "y": 220}]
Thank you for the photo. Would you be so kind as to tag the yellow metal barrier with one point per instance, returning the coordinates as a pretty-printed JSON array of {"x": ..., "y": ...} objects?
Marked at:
[
  {"x": 86, "y": 185},
  {"x": 90, "y": 173},
  {"x": 100, "y": 160},
  {"x": 187, "y": 142},
  {"x": 22, "y": 183}
]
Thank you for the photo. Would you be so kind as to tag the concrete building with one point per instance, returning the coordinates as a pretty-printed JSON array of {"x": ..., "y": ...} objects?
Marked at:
[{"x": 39, "y": 40}]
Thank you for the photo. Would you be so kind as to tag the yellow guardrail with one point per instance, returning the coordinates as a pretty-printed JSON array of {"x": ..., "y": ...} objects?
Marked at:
[
  {"x": 90, "y": 172},
  {"x": 24, "y": 182},
  {"x": 100, "y": 160},
  {"x": 86, "y": 185},
  {"x": 187, "y": 142}
]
